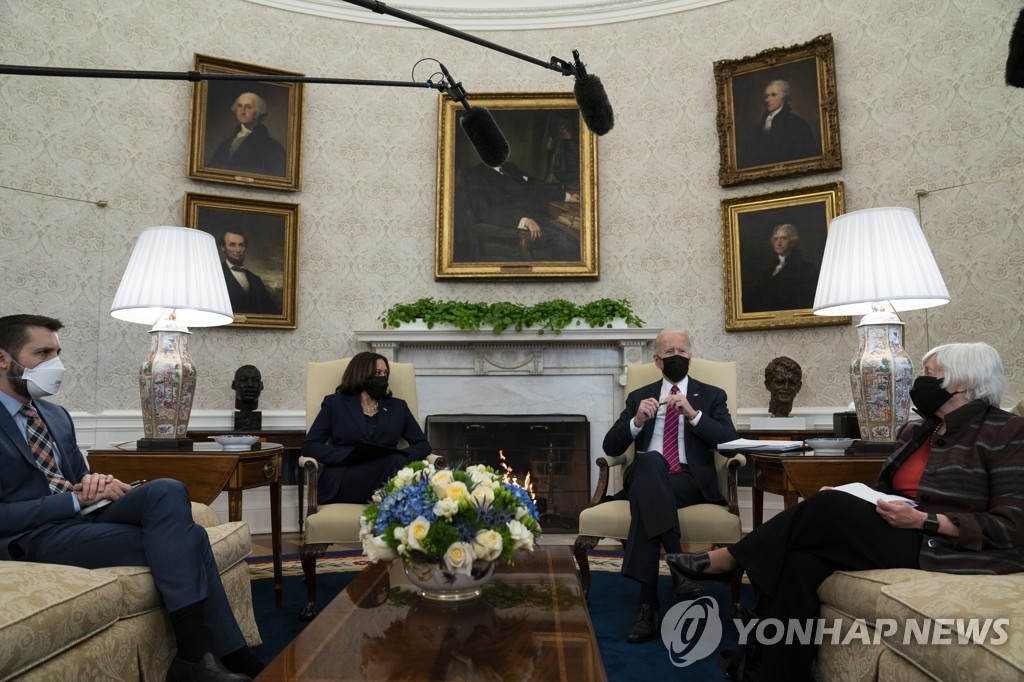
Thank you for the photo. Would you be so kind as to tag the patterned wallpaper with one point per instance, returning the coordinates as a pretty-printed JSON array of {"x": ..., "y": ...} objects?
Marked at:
[{"x": 922, "y": 107}]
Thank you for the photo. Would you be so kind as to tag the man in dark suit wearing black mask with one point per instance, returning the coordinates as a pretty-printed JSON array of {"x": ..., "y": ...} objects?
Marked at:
[{"x": 675, "y": 425}]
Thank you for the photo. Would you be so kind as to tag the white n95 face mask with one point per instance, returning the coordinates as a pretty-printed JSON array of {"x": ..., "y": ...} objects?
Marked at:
[{"x": 45, "y": 378}]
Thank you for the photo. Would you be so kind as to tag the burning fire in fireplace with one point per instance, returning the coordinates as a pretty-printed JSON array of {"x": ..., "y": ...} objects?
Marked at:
[{"x": 509, "y": 476}]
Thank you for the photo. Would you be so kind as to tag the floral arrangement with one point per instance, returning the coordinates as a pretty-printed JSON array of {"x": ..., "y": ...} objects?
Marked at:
[{"x": 449, "y": 517}]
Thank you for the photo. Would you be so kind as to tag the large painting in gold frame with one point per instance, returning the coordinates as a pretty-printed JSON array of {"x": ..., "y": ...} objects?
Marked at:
[
  {"x": 796, "y": 88},
  {"x": 762, "y": 290},
  {"x": 536, "y": 217},
  {"x": 268, "y": 157},
  {"x": 262, "y": 238}
]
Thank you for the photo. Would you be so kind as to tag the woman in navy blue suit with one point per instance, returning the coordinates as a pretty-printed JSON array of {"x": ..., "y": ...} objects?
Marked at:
[{"x": 356, "y": 435}]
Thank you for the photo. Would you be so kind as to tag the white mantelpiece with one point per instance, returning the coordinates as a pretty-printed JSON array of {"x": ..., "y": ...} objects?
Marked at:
[
  {"x": 579, "y": 371},
  {"x": 512, "y": 352}
]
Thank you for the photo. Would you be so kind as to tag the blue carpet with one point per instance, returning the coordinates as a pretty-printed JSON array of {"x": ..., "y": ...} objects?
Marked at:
[
  {"x": 280, "y": 626},
  {"x": 613, "y": 601}
]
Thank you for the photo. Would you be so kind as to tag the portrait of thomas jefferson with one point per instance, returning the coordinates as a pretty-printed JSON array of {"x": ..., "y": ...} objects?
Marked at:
[{"x": 780, "y": 257}]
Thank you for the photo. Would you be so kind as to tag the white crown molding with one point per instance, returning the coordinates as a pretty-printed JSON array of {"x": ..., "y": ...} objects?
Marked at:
[{"x": 485, "y": 15}]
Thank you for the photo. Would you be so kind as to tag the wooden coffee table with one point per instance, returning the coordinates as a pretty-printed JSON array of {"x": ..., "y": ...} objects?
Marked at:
[{"x": 531, "y": 623}]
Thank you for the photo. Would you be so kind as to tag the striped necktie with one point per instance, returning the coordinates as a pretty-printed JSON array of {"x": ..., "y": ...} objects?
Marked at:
[
  {"x": 670, "y": 443},
  {"x": 41, "y": 445}
]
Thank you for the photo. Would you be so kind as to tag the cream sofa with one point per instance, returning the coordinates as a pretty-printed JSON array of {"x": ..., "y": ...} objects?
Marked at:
[
  {"x": 900, "y": 595},
  {"x": 68, "y": 623}
]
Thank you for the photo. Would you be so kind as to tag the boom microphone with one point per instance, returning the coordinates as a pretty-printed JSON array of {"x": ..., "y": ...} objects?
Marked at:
[
  {"x": 1015, "y": 62},
  {"x": 485, "y": 136},
  {"x": 592, "y": 99},
  {"x": 478, "y": 124}
]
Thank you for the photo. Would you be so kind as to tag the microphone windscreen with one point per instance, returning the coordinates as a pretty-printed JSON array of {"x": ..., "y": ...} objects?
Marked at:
[
  {"x": 485, "y": 136},
  {"x": 594, "y": 105},
  {"x": 1015, "y": 62}
]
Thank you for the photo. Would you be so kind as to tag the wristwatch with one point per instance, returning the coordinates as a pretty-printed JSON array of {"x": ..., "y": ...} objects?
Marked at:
[{"x": 931, "y": 525}]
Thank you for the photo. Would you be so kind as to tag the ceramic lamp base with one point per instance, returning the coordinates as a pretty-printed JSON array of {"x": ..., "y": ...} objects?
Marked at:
[
  {"x": 167, "y": 384},
  {"x": 880, "y": 376}
]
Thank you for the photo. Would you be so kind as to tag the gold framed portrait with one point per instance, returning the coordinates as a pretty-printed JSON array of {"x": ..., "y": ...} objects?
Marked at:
[
  {"x": 772, "y": 246},
  {"x": 533, "y": 218},
  {"x": 245, "y": 132},
  {"x": 778, "y": 113},
  {"x": 258, "y": 243}
]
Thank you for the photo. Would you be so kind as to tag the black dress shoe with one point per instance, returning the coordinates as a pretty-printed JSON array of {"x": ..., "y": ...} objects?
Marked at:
[
  {"x": 647, "y": 625},
  {"x": 206, "y": 669},
  {"x": 694, "y": 567},
  {"x": 682, "y": 587}
]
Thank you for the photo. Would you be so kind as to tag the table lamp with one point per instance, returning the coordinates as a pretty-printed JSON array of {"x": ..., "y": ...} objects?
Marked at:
[
  {"x": 877, "y": 263},
  {"x": 173, "y": 281}
]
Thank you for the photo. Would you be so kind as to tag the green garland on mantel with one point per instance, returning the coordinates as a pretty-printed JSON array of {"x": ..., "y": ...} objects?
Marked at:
[{"x": 554, "y": 315}]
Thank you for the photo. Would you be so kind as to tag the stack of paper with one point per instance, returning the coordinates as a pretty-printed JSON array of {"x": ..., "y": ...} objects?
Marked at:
[
  {"x": 766, "y": 445},
  {"x": 871, "y": 495}
]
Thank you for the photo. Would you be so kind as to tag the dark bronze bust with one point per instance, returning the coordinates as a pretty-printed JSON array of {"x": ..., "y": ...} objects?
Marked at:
[
  {"x": 783, "y": 379},
  {"x": 248, "y": 385}
]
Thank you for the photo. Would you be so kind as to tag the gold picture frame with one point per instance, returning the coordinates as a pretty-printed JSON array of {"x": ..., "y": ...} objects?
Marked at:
[
  {"x": 483, "y": 228},
  {"x": 799, "y": 84},
  {"x": 756, "y": 230},
  {"x": 270, "y": 155},
  {"x": 262, "y": 237}
]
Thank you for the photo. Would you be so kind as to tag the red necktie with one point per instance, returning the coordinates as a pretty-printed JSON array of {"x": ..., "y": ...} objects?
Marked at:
[
  {"x": 41, "y": 445},
  {"x": 670, "y": 443}
]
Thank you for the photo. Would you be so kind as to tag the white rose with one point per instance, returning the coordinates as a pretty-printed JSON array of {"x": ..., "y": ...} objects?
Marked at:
[
  {"x": 404, "y": 477},
  {"x": 456, "y": 491},
  {"x": 416, "y": 532},
  {"x": 479, "y": 474},
  {"x": 441, "y": 480},
  {"x": 402, "y": 536},
  {"x": 487, "y": 545},
  {"x": 376, "y": 549},
  {"x": 521, "y": 535},
  {"x": 483, "y": 496},
  {"x": 521, "y": 511},
  {"x": 459, "y": 558},
  {"x": 446, "y": 508}
]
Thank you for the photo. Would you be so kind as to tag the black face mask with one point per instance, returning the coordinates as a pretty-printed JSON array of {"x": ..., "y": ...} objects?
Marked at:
[
  {"x": 928, "y": 395},
  {"x": 675, "y": 367},
  {"x": 377, "y": 387}
]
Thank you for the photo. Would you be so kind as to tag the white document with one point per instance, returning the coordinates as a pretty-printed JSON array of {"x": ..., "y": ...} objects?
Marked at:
[
  {"x": 766, "y": 445},
  {"x": 871, "y": 495}
]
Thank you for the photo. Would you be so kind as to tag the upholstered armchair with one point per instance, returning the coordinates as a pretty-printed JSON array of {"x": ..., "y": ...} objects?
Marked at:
[
  {"x": 330, "y": 524},
  {"x": 702, "y": 523}
]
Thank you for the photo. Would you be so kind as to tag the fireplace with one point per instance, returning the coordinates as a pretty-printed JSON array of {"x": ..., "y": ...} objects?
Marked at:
[{"x": 552, "y": 449}]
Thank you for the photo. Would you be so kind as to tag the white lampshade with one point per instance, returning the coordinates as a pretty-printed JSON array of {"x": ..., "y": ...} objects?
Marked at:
[
  {"x": 877, "y": 255},
  {"x": 174, "y": 268}
]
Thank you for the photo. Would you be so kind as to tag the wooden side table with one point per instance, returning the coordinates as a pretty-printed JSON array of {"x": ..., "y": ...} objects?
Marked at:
[
  {"x": 290, "y": 439},
  {"x": 797, "y": 475},
  {"x": 207, "y": 470},
  {"x": 746, "y": 474}
]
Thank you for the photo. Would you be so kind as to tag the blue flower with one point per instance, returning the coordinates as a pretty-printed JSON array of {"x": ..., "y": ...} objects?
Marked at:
[
  {"x": 523, "y": 498},
  {"x": 405, "y": 505},
  {"x": 414, "y": 493}
]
